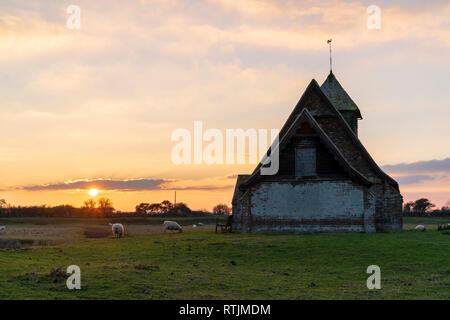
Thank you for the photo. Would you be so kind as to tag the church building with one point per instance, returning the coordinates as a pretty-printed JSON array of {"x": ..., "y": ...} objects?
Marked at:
[{"x": 326, "y": 180}]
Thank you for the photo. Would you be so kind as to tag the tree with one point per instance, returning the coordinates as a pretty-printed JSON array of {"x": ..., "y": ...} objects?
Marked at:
[
  {"x": 166, "y": 206},
  {"x": 5, "y": 207},
  {"x": 446, "y": 207},
  {"x": 142, "y": 208},
  {"x": 221, "y": 209},
  {"x": 180, "y": 208},
  {"x": 89, "y": 204},
  {"x": 155, "y": 208},
  {"x": 408, "y": 206},
  {"x": 422, "y": 205},
  {"x": 105, "y": 205}
]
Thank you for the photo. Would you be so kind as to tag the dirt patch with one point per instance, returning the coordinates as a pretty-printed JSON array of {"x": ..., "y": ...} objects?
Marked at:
[
  {"x": 96, "y": 233},
  {"x": 41, "y": 232},
  {"x": 56, "y": 276}
]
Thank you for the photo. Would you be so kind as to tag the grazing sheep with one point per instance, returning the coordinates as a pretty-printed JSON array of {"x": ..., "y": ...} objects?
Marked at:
[
  {"x": 420, "y": 227},
  {"x": 2, "y": 228},
  {"x": 117, "y": 230},
  {"x": 194, "y": 226},
  {"x": 172, "y": 225},
  {"x": 200, "y": 224}
]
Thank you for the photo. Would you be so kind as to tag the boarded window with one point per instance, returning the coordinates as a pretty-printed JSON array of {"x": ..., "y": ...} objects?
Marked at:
[{"x": 305, "y": 161}]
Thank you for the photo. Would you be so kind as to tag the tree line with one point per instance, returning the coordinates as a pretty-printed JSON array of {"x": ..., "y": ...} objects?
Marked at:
[
  {"x": 104, "y": 208},
  {"x": 424, "y": 207},
  {"x": 168, "y": 208}
]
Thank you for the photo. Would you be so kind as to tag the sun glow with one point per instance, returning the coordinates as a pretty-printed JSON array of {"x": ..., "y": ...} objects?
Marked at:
[{"x": 93, "y": 192}]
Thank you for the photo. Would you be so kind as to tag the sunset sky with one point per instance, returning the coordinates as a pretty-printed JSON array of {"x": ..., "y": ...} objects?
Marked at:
[{"x": 96, "y": 107}]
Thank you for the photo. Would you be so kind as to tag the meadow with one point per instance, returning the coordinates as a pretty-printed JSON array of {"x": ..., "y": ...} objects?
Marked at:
[{"x": 200, "y": 264}]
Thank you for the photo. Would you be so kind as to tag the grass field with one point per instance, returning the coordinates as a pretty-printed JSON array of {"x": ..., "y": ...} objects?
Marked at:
[{"x": 199, "y": 264}]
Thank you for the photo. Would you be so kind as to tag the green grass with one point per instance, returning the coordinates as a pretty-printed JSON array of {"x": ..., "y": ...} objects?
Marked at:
[{"x": 205, "y": 265}]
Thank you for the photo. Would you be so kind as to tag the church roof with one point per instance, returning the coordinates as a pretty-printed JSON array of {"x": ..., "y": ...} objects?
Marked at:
[
  {"x": 335, "y": 132},
  {"x": 306, "y": 116},
  {"x": 338, "y": 96}
]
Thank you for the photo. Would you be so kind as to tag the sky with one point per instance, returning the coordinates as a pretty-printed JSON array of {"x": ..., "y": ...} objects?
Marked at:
[{"x": 97, "y": 106}]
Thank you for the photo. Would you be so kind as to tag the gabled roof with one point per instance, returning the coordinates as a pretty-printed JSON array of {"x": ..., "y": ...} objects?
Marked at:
[
  {"x": 306, "y": 116},
  {"x": 338, "y": 96},
  {"x": 314, "y": 87}
]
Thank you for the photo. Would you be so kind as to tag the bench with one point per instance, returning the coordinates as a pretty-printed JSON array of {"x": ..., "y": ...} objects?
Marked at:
[{"x": 227, "y": 227}]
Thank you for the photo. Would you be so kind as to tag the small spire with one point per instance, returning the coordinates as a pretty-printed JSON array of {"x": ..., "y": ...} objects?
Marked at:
[{"x": 331, "y": 61}]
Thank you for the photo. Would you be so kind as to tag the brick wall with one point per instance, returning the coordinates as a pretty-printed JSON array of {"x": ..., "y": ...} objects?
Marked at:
[{"x": 301, "y": 207}]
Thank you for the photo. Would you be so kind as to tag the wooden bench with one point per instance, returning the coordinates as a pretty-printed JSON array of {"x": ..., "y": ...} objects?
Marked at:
[{"x": 227, "y": 227}]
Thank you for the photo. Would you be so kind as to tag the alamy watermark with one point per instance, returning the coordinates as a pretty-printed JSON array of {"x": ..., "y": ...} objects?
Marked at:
[
  {"x": 374, "y": 19},
  {"x": 374, "y": 281},
  {"x": 74, "y": 20},
  {"x": 207, "y": 147},
  {"x": 74, "y": 280}
]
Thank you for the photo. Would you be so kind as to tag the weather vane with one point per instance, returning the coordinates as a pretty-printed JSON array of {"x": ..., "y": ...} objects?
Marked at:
[{"x": 331, "y": 61}]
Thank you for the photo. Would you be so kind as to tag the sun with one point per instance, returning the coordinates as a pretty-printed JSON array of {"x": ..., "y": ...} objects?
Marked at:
[{"x": 93, "y": 192}]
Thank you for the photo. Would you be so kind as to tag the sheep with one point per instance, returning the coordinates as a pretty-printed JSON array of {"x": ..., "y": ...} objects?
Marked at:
[
  {"x": 117, "y": 229},
  {"x": 2, "y": 228},
  {"x": 200, "y": 224},
  {"x": 420, "y": 227},
  {"x": 172, "y": 225}
]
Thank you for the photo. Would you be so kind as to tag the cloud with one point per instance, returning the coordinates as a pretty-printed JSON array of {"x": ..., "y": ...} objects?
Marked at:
[
  {"x": 102, "y": 101},
  {"x": 303, "y": 22},
  {"x": 404, "y": 180},
  {"x": 419, "y": 171},
  {"x": 203, "y": 188},
  {"x": 104, "y": 184},
  {"x": 122, "y": 185},
  {"x": 28, "y": 36},
  {"x": 216, "y": 27},
  {"x": 420, "y": 166}
]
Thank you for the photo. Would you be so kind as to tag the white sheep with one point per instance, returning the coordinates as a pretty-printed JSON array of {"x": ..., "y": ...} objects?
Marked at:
[
  {"x": 2, "y": 228},
  {"x": 420, "y": 227},
  {"x": 200, "y": 224},
  {"x": 172, "y": 225},
  {"x": 117, "y": 229}
]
